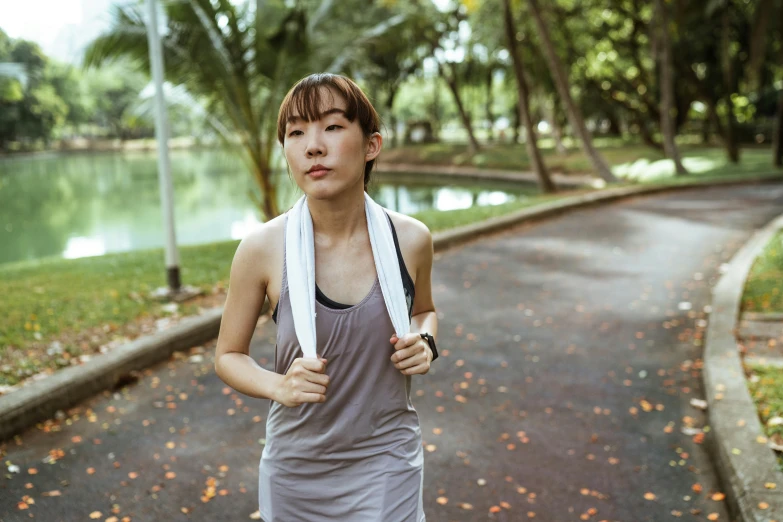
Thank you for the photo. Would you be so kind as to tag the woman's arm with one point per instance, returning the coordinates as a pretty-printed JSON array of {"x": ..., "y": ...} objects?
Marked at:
[
  {"x": 424, "y": 319},
  {"x": 246, "y": 295},
  {"x": 412, "y": 353}
]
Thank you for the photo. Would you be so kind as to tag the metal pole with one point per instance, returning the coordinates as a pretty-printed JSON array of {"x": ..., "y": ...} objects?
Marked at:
[{"x": 162, "y": 137}]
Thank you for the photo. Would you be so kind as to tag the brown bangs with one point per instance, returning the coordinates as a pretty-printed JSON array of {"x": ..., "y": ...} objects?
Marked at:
[{"x": 311, "y": 95}]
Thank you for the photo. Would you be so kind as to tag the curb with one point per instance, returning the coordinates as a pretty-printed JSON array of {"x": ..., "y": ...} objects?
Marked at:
[
  {"x": 41, "y": 400},
  {"x": 744, "y": 461}
]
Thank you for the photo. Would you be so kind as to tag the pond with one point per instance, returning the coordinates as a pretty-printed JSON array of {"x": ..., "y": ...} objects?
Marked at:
[{"x": 86, "y": 204}]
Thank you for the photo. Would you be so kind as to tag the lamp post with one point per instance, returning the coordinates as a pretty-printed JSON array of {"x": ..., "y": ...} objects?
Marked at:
[{"x": 162, "y": 137}]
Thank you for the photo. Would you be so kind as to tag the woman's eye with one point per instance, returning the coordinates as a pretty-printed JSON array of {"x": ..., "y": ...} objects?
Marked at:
[{"x": 330, "y": 127}]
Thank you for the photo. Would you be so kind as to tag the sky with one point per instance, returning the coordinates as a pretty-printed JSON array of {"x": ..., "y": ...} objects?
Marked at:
[{"x": 60, "y": 27}]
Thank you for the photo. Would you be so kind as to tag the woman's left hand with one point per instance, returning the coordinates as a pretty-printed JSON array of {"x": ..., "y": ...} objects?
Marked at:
[{"x": 412, "y": 354}]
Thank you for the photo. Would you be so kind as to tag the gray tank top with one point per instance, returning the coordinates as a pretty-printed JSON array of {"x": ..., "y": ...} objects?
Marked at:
[{"x": 358, "y": 456}]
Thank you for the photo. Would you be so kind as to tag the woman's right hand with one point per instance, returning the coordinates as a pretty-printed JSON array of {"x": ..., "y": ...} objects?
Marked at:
[{"x": 304, "y": 382}]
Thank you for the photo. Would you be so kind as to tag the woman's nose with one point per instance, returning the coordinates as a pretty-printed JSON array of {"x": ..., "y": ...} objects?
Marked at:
[{"x": 315, "y": 148}]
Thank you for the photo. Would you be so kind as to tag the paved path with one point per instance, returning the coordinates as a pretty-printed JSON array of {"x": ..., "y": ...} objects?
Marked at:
[{"x": 556, "y": 338}]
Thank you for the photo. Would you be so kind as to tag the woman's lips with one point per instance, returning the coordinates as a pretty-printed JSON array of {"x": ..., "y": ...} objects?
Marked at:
[{"x": 316, "y": 174}]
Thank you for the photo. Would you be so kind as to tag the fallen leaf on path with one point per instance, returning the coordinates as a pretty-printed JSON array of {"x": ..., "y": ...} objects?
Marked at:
[{"x": 698, "y": 403}]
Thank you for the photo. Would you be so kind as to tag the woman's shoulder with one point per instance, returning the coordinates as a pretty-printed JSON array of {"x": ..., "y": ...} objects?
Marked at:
[
  {"x": 265, "y": 235},
  {"x": 410, "y": 227},
  {"x": 415, "y": 242},
  {"x": 262, "y": 247},
  {"x": 410, "y": 230}
]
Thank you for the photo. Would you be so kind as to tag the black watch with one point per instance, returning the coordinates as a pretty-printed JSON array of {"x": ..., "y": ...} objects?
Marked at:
[{"x": 431, "y": 341}]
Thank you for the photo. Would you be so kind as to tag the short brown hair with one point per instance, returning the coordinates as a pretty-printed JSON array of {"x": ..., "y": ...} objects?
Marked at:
[{"x": 304, "y": 101}]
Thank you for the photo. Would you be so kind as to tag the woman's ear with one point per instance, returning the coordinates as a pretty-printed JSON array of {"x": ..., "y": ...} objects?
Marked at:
[{"x": 374, "y": 146}]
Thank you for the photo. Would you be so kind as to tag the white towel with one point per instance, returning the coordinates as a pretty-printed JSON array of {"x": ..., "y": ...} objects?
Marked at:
[{"x": 300, "y": 263}]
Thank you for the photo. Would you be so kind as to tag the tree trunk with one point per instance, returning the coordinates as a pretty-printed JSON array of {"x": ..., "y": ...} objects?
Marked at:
[
  {"x": 488, "y": 107},
  {"x": 777, "y": 139},
  {"x": 531, "y": 143},
  {"x": 262, "y": 173},
  {"x": 572, "y": 110},
  {"x": 451, "y": 81},
  {"x": 392, "y": 120},
  {"x": 517, "y": 122},
  {"x": 435, "y": 112},
  {"x": 730, "y": 136},
  {"x": 706, "y": 130},
  {"x": 646, "y": 135},
  {"x": 557, "y": 127},
  {"x": 777, "y": 143},
  {"x": 614, "y": 124},
  {"x": 667, "y": 90},
  {"x": 758, "y": 41}
]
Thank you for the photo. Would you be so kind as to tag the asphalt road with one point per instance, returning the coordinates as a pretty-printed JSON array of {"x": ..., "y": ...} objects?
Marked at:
[{"x": 570, "y": 353}]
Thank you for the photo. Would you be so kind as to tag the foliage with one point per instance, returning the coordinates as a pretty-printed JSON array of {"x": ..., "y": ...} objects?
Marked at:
[
  {"x": 30, "y": 105},
  {"x": 230, "y": 62}
]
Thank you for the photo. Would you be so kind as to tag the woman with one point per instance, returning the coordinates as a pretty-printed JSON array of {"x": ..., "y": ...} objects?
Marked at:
[{"x": 343, "y": 439}]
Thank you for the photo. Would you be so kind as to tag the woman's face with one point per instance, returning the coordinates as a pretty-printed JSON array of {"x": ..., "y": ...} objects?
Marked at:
[{"x": 328, "y": 155}]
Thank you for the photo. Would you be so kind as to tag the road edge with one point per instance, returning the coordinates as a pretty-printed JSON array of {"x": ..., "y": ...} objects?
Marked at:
[
  {"x": 744, "y": 462},
  {"x": 43, "y": 399}
]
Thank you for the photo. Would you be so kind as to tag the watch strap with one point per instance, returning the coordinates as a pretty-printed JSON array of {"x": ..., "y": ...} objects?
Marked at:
[{"x": 431, "y": 342}]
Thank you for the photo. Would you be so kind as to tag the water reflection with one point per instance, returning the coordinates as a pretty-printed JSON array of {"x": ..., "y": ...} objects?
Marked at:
[{"x": 89, "y": 204}]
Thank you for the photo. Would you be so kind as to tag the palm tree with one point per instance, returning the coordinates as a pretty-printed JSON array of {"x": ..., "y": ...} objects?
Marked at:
[
  {"x": 241, "y": 58},
  {"x": 572, "y": 109}
]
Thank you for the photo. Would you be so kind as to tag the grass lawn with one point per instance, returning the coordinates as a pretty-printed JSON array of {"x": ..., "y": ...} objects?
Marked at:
[
  {"x": 55, "y": 311},
  {"x": 764, "y": 287},
  {"x": 631, "y": 162},
  {"x": 766, "y": 389}
]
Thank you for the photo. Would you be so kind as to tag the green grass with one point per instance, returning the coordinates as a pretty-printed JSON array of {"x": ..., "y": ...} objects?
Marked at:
[
  {"x": 84, "y": 302},
  {"x": 764, "y": 286},
  {"x": 632, "y": 162},
  {"x": 766, "y": 390}
]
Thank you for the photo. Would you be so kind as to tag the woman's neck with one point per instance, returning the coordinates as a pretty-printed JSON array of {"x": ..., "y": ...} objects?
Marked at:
[{"x": 338, "y": 220}]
